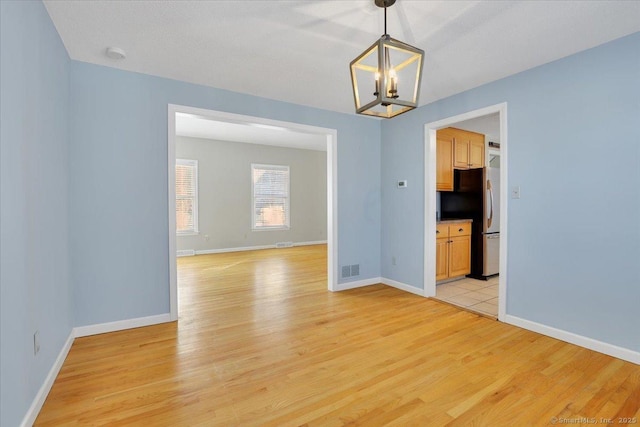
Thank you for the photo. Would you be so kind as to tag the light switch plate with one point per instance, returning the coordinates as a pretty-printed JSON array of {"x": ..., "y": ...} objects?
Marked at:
[{"x": 515, "y": 192}]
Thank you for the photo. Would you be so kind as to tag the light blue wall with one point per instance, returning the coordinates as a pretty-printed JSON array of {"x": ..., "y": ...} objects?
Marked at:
[
  {"x": 118, "y": 190},
  {"x": 574, "y": 148},
  {"x": 35, "y": 293}
]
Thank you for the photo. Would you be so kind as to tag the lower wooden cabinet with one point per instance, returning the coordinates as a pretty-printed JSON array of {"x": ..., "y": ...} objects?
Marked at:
[
  {"x": 442, "y": 258},
  {"x": 453, "y": 250},
  {"x": 459, "y": 256}
]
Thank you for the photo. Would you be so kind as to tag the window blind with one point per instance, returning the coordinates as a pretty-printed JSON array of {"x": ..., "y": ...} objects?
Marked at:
[
  {"x": 270, "y": 190},
  {"x": 186, "y": 196}
]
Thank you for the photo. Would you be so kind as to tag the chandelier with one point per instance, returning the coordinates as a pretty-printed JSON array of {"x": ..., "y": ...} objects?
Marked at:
[{"x": 386, "y": 77}]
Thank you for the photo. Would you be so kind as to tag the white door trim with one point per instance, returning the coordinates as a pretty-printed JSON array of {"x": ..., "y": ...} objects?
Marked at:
[
  {"x": 430, "y": 199},
  {"x": 332, "y": 187}
]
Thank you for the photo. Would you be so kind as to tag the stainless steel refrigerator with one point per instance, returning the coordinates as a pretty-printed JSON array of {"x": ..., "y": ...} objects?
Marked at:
[{"x": 476, "y": 196}]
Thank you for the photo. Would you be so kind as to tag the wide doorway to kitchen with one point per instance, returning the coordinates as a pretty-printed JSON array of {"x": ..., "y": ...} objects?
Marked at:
[{"x": 464, "y": 218}]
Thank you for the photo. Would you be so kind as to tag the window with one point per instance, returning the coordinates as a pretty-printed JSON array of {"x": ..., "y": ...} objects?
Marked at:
[
  {"x": 270, "y": 190},
  {"x": 186, "y": 196}
]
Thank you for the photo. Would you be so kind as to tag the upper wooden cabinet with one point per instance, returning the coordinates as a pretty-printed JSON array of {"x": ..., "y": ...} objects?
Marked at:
[
  {"x": 444, "y": 162},
  {"x": 456, "y": 149},
  {"x": 461, "y": 152},
  {"x": 476, "y": 150},
  {"x": 468, "y": 149}
]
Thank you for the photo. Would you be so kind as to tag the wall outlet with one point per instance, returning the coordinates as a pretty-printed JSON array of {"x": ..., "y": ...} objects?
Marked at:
[
  {"x": 206, "y": 237},
  {"x": 36, "y": 343},
  {"x": 393, "y": 260}
]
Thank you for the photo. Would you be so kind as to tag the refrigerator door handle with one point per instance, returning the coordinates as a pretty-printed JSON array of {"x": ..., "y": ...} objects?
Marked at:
[{"x": 490, "y": 189}]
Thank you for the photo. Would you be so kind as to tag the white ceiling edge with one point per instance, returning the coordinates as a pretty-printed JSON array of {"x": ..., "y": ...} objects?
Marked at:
[{"x": 195, "y": 126}]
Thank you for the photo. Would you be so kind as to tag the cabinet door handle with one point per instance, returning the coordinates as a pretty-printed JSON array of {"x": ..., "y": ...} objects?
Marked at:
[
  {"x": 460, "y": 230},
  {"x": 437, "y": 231}
]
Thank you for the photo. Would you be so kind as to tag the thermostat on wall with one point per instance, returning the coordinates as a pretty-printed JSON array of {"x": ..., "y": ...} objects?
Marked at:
[{"x": 402, "y": 184}]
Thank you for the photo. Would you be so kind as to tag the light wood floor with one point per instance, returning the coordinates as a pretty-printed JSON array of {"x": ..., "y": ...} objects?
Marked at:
[{"x": 260, "y": 342}]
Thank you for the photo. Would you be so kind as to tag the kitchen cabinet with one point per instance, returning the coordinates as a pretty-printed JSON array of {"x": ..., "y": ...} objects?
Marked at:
[
  {"x": 442, "y": 257},
  {"x": 453, "y": 249},
  {"x": 444, "y": 161},
  {"x": 456, "y": 149},
  {"x": 476, "y": 150},
  {"x": 468, "y": 151}
]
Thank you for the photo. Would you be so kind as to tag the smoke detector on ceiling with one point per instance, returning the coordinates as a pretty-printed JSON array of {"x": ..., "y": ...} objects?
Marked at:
[{"x": 115, "y": 53}]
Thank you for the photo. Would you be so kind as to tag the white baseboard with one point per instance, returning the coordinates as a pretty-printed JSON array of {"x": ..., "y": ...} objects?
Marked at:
[
  {"x": 315, "y": 242},
  {"x": 120, "y": 325},
  {"x": 255, "y": 248},
  {"x": 384, "y": 281},
  {"x": 240, "y": 249},
  {"x": 403, "y": 286},
  {"x": 185, "y": 252},
  {"x": 41, "y": 396},
  {"x": 570, "y": 337},
  {"x": 358, "y": 284}
]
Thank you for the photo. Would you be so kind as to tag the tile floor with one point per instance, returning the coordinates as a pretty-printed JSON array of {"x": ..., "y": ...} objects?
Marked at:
[{"x": 472, "y": 294}]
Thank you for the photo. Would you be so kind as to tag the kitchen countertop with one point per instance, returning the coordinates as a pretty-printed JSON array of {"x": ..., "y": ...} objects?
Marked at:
[{"x": 453, "y": 220}]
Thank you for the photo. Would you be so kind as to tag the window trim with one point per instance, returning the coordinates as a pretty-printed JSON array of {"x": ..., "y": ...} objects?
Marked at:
[
  {"x": 196, "y": 226},
  {"x": 287, "y": 225}
]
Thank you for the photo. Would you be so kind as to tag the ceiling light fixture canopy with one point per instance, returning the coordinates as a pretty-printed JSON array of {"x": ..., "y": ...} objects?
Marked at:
[{"x": 380, "y": 71}]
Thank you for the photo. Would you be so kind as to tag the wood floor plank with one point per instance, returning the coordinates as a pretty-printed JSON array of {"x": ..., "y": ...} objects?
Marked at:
[{"x": 261, "y": 342}]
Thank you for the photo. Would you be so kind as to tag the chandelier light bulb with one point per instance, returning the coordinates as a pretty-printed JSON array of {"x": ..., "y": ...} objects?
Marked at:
[{"x": 393, "y": 84}]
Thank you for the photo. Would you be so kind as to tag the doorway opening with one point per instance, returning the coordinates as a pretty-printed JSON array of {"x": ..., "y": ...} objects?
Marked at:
[
  {"x": 328, "y": 137},
  {"x": 487, "y": 241}
]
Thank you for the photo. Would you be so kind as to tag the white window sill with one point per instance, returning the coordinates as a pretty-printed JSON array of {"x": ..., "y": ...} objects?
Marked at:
[
  {"x": 188, "y": 233},
  {"x": 271, "y": 229}
]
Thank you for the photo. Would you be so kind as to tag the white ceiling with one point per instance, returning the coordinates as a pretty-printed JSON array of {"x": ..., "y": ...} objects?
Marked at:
[
  {"x": 299, "y": 50},
  {"x": 252, "y": 133},
  {"x": 488, "y": 125}
]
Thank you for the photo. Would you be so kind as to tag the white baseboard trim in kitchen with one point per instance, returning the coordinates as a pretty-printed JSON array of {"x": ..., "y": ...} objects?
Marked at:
[
  {"x": 358, "y": 284},
  {"x": 403, "y": 286},
  {"x": 254, "y": 248},
  {"x": 41, "y": 396},
  {"x": 570, "y": 337},
  {"x": 120, "y": 325}
]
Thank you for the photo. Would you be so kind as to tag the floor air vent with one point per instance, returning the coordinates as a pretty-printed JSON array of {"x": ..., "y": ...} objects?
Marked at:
[
  {"x": 355, "y": 270},
  {"x": 350, "y": 270},
  {"x": 346, "y": 271}
]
